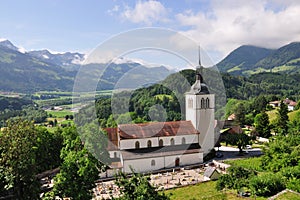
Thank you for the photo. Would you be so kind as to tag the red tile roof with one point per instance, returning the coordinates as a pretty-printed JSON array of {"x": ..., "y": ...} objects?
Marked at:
[
  {"x": 293, "y": 103},
  {"x": 156, "y": 129},
  {"x": 112, "y": 134}
]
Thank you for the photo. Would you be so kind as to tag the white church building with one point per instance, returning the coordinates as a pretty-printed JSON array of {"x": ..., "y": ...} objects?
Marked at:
[{"x": 157, "y": 145}]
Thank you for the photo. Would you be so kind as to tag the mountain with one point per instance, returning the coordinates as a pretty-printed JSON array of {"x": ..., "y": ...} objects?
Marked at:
[
  {"x": 23, "y": 73},
  {"x": 248, "y": 60},
  {"x": 127, "y": 75},
  {"x": 42, "y": 70},
  {"x": 243, "y": 59},
  {"x": 68, "y": 60},
  {"x": 286, "y": 59},
  {"x": 8, "y": 45}
]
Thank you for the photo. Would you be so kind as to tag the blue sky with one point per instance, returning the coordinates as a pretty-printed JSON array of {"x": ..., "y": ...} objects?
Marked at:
[{"x": 219, "y": 26}]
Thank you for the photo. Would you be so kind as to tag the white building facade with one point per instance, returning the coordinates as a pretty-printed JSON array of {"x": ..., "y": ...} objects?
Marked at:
[{"x": 153, "y": 146}]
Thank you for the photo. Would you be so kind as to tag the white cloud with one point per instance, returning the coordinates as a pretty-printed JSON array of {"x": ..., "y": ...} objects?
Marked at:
[
  {"x": 233, "y": 23},
  {"x": 145, "y": 12},
  {"x": 113, "y": 10}
]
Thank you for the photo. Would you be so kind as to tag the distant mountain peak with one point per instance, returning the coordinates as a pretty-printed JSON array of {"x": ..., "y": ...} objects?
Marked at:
[
  {"x": 243, "y": 58},
  {"x": 7, "y": 44}
]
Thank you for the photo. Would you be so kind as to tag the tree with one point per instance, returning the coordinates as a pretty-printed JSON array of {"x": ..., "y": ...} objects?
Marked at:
[
  {"x": 18, "y": 158},
  {"x": 259, "y": 104},
  {"x": 239, "y": 112},
  {"x": 137, "y": 186},
  {"x": 236, "y": 178},
  {"x": 49, "y": 146},
  {"x": 225, "y": 182},
  {"x": 240, "y": 140},
  {"x": 267, "y": 184},
  {"x": 282, "y": 152},
  {"x": 282, "y": 119},
  {"x": 262, "y": 124},
  {"x": 79, "y": 169}
]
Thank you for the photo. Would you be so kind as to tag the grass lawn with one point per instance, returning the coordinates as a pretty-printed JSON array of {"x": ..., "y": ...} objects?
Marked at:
[
  {"x": 59, "y": 114},
  {"x": 288, "y": 196},
  {"x": 202, "y": 191},
  {"x": 273, "y": 114},
  {"x": 248, "y": 163},
  {"x": 292, "y": 115}
]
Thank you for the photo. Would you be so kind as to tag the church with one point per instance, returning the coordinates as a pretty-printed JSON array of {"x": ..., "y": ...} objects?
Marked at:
[{"x": 153, "y": 146}]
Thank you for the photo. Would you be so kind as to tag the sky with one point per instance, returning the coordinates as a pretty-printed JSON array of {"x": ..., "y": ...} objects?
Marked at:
[{"x": 218, "y": 26}]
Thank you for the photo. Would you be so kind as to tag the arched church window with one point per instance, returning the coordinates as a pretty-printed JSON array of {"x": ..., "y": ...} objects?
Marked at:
[
  {"x": 190, "y": 103},
  {"x": 161, "y": 143},
  {"x": 137, "y": 144},
  {"x": 172, "y": 141},
  {"x": 207, "y": 102},
  {"x": 152, "y": 162},
  {"x": 115, "y": 154},
  {"x": 183, "y": 141},
  {"x": 202, "y": 103},
  {"x": 149, "y": 143}
]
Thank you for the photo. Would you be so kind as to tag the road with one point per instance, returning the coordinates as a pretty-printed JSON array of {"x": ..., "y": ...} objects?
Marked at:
[{"x": 233, "y": 153}]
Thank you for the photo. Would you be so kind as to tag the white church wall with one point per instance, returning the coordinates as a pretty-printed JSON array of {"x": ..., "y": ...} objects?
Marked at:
[
  {"x": 185, "y": 159},
  {"x": 189, "y": 159},
  {"x": 143, "y": 165},
  {"x": 130, "y": 143},
  {"x": 189, "y": 139},
  {"x": 114, "y": 154}
]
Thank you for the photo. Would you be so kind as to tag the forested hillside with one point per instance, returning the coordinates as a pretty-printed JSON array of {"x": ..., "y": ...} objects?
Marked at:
[
  {"x": 248, "y": 60},
  {"x": 159, "y": 103}
]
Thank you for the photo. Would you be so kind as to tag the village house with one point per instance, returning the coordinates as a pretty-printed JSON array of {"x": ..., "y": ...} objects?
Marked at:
[{"x": 290, "y": 103}]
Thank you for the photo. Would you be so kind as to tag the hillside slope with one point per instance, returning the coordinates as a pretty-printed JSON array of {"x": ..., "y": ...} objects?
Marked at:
[{"x": 248, "y": 60}]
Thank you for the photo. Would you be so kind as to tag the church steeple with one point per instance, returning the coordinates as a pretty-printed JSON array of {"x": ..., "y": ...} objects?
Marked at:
[
  {"x": 199, "y": 86},
  {"x": 199, "y": 68}
]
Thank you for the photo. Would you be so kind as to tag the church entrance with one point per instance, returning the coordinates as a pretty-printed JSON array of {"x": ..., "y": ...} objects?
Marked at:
[{"x": 177, "y": 161}]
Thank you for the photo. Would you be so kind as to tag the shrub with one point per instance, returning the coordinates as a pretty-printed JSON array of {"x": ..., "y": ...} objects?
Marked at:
[{"x": 267, "y": 184}]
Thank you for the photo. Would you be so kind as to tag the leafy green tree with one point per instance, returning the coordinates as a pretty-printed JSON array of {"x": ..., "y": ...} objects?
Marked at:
[
  {"x": 267, "y": 184},
  {"x": 236, "y": 178},
  {"x": 231, "y": 103},
  {"x": 6, "y": 181},
  {"x": 49, "y": 146},
  {"x": 259, "y": 104},
  {"x": 225, "y": 182},
  {"x": 79, "y": 169},
  {"x": 281, "y": 153},
  {"x": 137, "y": 187},
  {"x": 297, "y": 106},
  {"x": 18, "y": 158},
  {"x": 240, "y": 140},
  {"x": 33, "y": 113},
  {"x": 240, "y": 113},
  {"x": 262, "y": 124},
  {"x": 282, "y": 119}
]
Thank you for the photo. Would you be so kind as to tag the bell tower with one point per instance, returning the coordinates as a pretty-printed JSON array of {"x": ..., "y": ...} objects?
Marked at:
[{"x": 200, "y": 108}]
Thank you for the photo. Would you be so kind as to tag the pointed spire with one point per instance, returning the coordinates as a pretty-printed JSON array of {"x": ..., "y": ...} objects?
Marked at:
[
  {"x": 199, "y": 69},
  {"x": 200, "y": 65},
  {"x": 199, "y": 56}
]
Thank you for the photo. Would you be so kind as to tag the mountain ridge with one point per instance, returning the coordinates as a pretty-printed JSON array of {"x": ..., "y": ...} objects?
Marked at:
[
  {"x": 32, "y": 71},
  {"x": 284, "y": 59}
]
